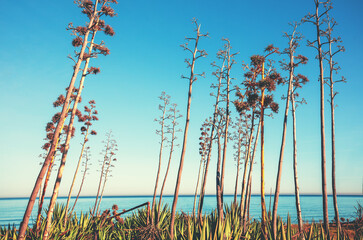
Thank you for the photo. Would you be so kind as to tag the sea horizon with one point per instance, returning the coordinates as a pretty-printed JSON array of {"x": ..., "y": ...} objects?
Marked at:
[{"x": 192, "y": 195}]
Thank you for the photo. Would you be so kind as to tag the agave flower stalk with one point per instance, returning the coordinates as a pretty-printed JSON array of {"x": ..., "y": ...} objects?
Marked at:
[
  {"x": 240, "y": 137},
  {"x": 108, "y": 170},
  {"x": 162, "y": 107},
  {"x": 333, "y": 67},
  {"x": 242, "y": 106},
  {"x": 89, "y": 116},
  {"x": 219, "y": 134},
  {"x": 229, "y": 63},
  {"x": 318, "y": 19},
  {"x": 85, "y": 171},
  {"x": 263, "y": 204},
  {"x": 202, "y": 162},
  {"x": 110, "y": 146},
  {"x": 70, "y": 134},
  {"x": 246, "y": 161},
  {"x": 238, "y": 147},
  {"x": 297, "y": 83},
  {"x": 50, "y": 132},
  {"x": 174, "y": 115},
  {"x": 90, "y": 9},
  {"x": 297, "y": 192},
  {"x": 204, "y": 140},
  {"x": 294, "y": 39},
  {"x": 196, "y": 54},
  {"x": 219, "y": 74},
  {"x": 264, "y": 101},
  {"x": 85, "y": 72},
  {"x": 249, "y": 179}
]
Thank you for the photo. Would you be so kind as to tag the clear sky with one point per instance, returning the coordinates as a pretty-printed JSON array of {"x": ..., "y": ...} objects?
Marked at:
[{"x": 145, "y": 60}]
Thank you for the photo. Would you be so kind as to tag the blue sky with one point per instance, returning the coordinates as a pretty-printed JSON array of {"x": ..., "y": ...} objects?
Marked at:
[{"x": 145, "y": 60}]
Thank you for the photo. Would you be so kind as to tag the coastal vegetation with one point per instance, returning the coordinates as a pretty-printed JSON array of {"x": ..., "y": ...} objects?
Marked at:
[
  {"x": 251, "y": 99},
  {"x": 111, "y": 225}
]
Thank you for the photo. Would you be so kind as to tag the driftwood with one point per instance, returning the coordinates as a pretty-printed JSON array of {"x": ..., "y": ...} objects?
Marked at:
[{"x": 131, "y": 209}]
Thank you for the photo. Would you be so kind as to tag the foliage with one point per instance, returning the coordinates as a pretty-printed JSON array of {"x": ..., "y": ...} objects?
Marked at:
[{"x": 138, "y": 226}]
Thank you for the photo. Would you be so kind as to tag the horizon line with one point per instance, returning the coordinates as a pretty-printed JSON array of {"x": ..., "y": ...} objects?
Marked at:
[{"x": 192, "y": 195}]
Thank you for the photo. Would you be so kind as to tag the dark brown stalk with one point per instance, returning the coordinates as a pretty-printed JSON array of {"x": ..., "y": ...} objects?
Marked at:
[{"x": 192, "y": 78}]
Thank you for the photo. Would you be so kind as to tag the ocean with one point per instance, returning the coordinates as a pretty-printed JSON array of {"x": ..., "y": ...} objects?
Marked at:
[{"x": 12, "y": 209}]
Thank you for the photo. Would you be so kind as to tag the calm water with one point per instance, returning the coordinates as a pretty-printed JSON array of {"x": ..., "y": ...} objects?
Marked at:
[{"x": 12, "y": 209}]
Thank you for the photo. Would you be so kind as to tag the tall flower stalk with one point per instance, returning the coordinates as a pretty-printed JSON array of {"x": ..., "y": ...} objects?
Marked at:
[
  {"x": 219, "y": 75},
  {"x": 86, "y": 164},
  {"x": 298, "y": 81},
  {"x": 91, "y": 10},
  {"x": 333, "y": 67},
  {"x": 203, "y": 149},
  {"x": 247, "y": 199},
  {"x": 257, "y": 97},
  {"x": 219, "y": 125},
  {"x": 243, "y": 106},
  {"x": 318, "y": 20},
  {"x": 108, "y": 152},
  {"x": 50, "y": 127},
  {"x": 173, "y": 130},
  {"x": 226, "y": 97},
  {"x": 238, "y": 137},
  {"x": 294, "y": 39},
  {"x": 87, "y": 118},
  {"x": 196, "y": 54},
  {"x": 93, "y": 51},
  {"x": 107, "y": 172},
  {"x": 162, "y": 121}
]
